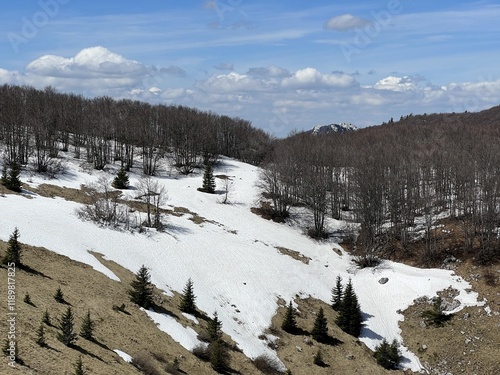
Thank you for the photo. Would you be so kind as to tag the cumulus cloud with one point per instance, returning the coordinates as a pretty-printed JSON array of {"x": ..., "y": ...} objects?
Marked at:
[
  {"x": 312, "y": 78},
  {"x": 235, "y": 82},
  {"x": 94, "y": 62},
  {"x": 345, "y": 22},
  {"x": 399, "y": 84},
  {"x": 93, "y": 69}
]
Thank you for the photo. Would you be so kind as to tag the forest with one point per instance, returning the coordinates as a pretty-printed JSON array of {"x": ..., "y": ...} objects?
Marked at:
[
  {"x": 385, "y": 178},
  {"x": 390, "y": 177}
]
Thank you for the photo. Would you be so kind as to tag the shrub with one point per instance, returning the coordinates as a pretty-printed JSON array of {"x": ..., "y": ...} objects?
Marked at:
[
  {"x": 145, "y": 364},
  {"x": 201, "y": 351},
  {"x": 267, "y": 364},
  {"x": 367, "y": 261}
]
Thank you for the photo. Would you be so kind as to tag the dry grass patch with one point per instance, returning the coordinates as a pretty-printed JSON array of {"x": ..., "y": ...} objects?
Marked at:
[
  {"x": 294, "y": 254},
  {"x": 346, "y": 356},
  {"x": 469, "y": 343}
]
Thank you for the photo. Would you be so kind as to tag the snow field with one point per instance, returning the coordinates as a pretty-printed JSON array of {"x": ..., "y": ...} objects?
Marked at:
[{"x": 232, "y": 260}]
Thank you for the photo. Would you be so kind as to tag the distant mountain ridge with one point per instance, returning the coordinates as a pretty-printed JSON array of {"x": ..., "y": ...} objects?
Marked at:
[{"x": 333, "y": 128}]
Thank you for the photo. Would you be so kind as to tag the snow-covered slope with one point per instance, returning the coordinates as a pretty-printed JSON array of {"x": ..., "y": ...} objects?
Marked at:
[{"x": 231, "y": 257}]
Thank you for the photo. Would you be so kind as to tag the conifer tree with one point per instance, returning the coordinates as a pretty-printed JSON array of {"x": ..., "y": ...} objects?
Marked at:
[
  {"x": 59, "y": 296},
  {"x": 320, "y": 328},
  {"x": 388, "y": 355},
  {"x": 318, "y": 359},
  {"x": 40, "y": 336},
  {"x": 214, "y": 328},
  {"x": 337, "y": 294},
  {"x": 10, "y": 177},
  {"x": 46, "y": 318},
  {"x": 188, "y": 304},
  {"x": 289, "y": 323},
  {"x": 66, "y": 325},
  {"x": 78, "y": 366},
  {"x": 121, "y": 180},
  {"x": 13, "y": 254},
  {"x": 208, "y": 180},
  {"x": 349, "y": 318},
  {"x": 218, "y": 355},
  {"x": 27, "y": 299},
  {"x": 142, "y": 290},
  {"x": 87, "y": 328}
]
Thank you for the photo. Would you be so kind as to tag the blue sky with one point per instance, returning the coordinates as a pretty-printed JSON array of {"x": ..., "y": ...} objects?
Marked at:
[{"x": 284, "y": 65}]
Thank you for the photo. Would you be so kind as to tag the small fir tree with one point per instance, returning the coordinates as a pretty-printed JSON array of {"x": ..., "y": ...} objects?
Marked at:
[
  {"x": 318, "y": 359},
  {"x": 208, "y": 180},
  {"x": 40, "y": 336},
  {"x": 27, "y": 299},
  {"x": 289, "y": 323},
  {"x": 78, "y": 366},
  {"x": 46, "y": 318},
  {"x": 188, "y": 304},
  {"x": 388, "y": 355},
  {"x": 121, "y": 180},
  {"x": 13, "y": 254},
  {"x": 66, "y": 325},
  {"x": 87, "y": 328},
  {"x": 436, "y": 316},
  {"x": 218, "y": 355},
  {"x": 337, "y": 294},
  {"x": 214, "y": 328},
  {"x": 10, "y": 177},
  {"x": 350, "y": 318},
  {"x": 142, "y": 290},
  {"x": 59, "y": 296},
  {"x": 320, "y": 328}
]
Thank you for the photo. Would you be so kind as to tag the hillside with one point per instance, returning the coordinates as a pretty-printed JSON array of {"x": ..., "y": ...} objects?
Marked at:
[{"x": 235, "y": 259}]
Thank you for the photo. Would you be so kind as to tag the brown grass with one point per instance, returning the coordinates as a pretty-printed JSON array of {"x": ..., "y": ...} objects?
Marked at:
[
  {"x": 294, "y": 254},
  {"x": 86, "y": 289},
  {"x": 346, "y": 355},
  {"x": 469, "y": 343}
]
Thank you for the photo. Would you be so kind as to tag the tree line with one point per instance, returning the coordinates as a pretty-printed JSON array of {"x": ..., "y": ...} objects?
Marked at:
[
  {"x": 392, "y": 177},
  {"x": 35, "y": 125}
]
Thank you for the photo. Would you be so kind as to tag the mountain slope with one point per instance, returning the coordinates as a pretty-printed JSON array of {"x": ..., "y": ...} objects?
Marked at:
[{"x": 230, "y": 254}]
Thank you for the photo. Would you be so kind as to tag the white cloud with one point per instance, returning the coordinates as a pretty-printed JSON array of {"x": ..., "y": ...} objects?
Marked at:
[
  {"x": 345, "y": 22},
  {"x": 399, "y": 84},
  {"x": 272, "y": 97},
  {"x": 312, "y": 78},
  {"x": 235, "y": 82}
]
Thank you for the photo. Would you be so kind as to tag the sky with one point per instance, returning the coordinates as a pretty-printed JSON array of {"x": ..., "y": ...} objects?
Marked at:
[{"x": 283, "y": 65}]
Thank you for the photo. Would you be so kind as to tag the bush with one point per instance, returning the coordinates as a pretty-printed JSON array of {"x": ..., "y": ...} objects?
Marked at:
[
  {"x": 145, "y": 364},
  {"x": 201, "y": 351},
  {"x": 388, "y": 355},
  {"x": 366, "y": 261},
  {"x": 436, "y": 316},
  {"x": 267, "y": 364}
]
